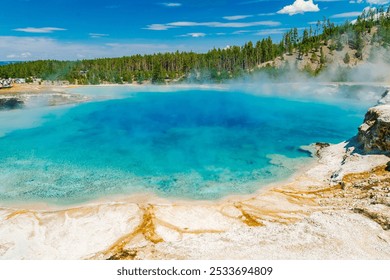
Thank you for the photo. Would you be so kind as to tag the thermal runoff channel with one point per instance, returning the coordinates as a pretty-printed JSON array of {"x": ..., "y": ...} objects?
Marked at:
[{"x": 195, "y": 144}]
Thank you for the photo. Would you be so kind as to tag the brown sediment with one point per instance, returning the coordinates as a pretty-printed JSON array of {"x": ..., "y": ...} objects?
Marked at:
[
  {"x": 182, "y": 231},
  {"x": 380, "y": 217},
  {"x": 254, "y": 213},
  {"x": 366, "y": 193},
  {"x": 379, "y": 174},
  {"x": 24, "y": 212},
  {"x": 298, "y": 193},
  {"x": 146, "y": 228},
  {"x": 303, "y": 197},
  {"x": 17, "y": 213},
  {"x": 81, "y": 211},
  {"x": 249, "y": 219},
  {"x": 32, "y": 88},
  {"x": 51, "y": 95}
]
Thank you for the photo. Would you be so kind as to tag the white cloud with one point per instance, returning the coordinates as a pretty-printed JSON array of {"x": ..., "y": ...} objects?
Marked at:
[
  {"x": 368, "y": 9},
  {"x": 238, "y": 32},
  {"x": 347, "y": 15},
  {"x": 39, "y": 29},
  {"x": 377, "y": 2},
  {"x": 299, "y": 7},
  {"x": 226, "y": 24},
  {"x": 158, "y": 27},
  {"x": 266, "y": 14},
  {"x": 273, "y": 31},
  {"x": 34, "y": 48},
  {"x": 184, "y": 24},
  {"x": 98, "y": 35},
  {"x": 24, "y": 55},
  {"x": 194, "y": 35},
  {"x": 211, "y": 24},
  {"x": 170, "y": 4},
  {"x": 238, "y": 17}
]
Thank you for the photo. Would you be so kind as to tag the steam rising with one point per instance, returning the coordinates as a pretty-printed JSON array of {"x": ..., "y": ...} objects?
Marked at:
[{"x": 362, "y": 84}]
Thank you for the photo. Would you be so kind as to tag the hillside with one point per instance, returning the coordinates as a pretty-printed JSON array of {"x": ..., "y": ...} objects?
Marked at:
[{"x": 344, "y": 57}]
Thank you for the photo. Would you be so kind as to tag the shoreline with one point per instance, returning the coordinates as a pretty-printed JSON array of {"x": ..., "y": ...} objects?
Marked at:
[
  {"x": 155, "y": 228},
  {"x": 38, "y": 89},
  {"x": 57, "y": 95}
]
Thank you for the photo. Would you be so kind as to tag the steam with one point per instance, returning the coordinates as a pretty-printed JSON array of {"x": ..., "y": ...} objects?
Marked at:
[
  {"x": 26, "y": 118},
  {"x": 361, "y": 84}
]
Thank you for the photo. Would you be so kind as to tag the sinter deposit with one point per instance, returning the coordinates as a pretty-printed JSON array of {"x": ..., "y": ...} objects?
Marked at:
[{"x": 374, "y": 133}]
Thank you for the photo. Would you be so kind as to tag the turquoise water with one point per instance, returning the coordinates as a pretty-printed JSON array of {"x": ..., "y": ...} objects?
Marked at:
[{"x": 187, "y": 144}]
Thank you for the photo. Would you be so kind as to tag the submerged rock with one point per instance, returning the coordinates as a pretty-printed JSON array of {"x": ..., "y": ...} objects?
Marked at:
[
  {"x": 10, "y": 103},
  {"x": 374, "y": 133}
]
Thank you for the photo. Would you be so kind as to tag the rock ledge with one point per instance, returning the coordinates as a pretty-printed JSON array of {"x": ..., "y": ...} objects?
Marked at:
[{"x": 374, "y": 133}]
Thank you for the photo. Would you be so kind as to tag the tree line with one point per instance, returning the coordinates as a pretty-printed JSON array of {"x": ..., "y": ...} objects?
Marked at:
[{"x": 215, "y": 65}]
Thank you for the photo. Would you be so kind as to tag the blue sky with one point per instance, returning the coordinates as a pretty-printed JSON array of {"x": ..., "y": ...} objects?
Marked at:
[{"x": 78, "y": 29}]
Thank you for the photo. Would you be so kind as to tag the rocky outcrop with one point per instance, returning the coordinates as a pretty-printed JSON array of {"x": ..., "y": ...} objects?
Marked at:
[
  {"x": 377, "y": 213},
  {"x": 368, "y": 193},
  {"x": 374, "y": 133}
]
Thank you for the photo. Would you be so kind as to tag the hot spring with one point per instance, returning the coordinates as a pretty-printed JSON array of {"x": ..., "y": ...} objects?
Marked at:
[{"x": 193, "y": 144}]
